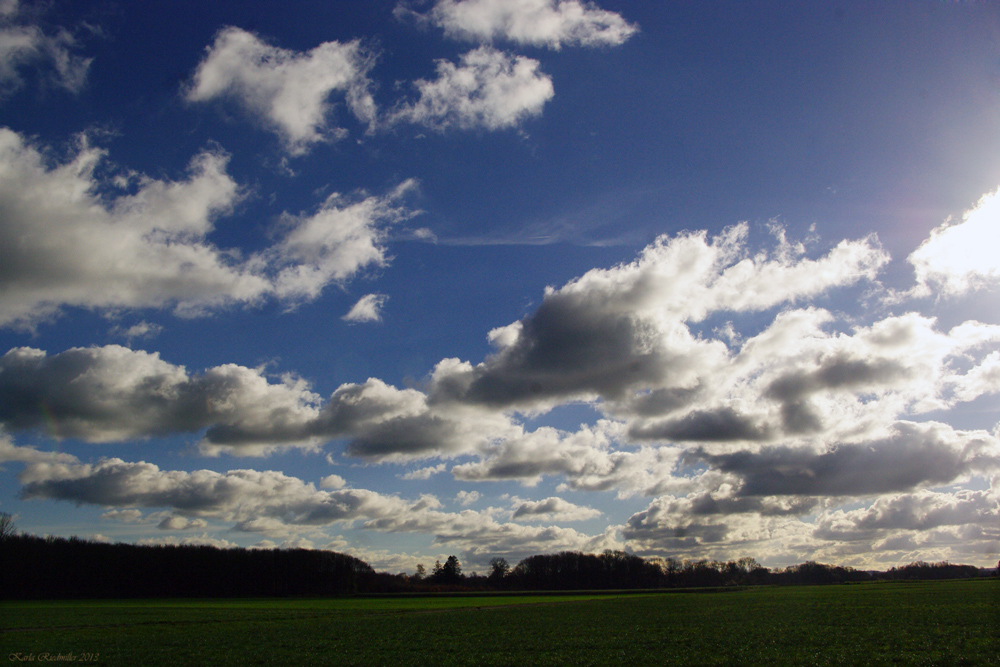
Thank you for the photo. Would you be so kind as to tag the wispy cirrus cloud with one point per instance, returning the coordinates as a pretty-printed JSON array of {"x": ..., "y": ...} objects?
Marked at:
[{"x": 24, "y": 45}]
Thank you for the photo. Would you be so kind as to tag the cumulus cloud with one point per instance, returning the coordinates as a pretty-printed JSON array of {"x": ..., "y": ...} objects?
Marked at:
[
  {"x": 64, "y": 244},
  {"x": 585, "y": 459},
  {"x": 759, "y": 501},
  {"x": 549, "y": 23},
  {"x": 913, "y": 455},
  {"x": 919, "y": 511},
  {"x": 669, "y": 527},
  {"x": 619, "y": 333},
  {"x": 797, "y": 378},
  {"x": 333, "y": 482},
  {"x": 478, "y": 534},
  {"x": 113, "y": 393},
  {"x": 425, "y": 473},
  {"x": 390, "y": 424},
  {"x": 125, "y": 516},
  {"x": 344, "y": 236},
  {"x": 959, "y": 526},
  {"x": 9, "y": 452},
  {"x": 241, "y": 496},
  {"x": 273, "y": 503},
  {"x": 620, "y": 337},
  {"x": 367, "y": 309},
  {"x": 287, "y": 90},
  {"x": 141, "y": 330},
  {"x": 737, "y": 438},
  {"x": 467, "y": 497},
  {"x": 182, "y": 523},
  {"x": 552, "y": 509},
  {"x": 487, "y": 89},
  {"x": 958, "y": 257}
]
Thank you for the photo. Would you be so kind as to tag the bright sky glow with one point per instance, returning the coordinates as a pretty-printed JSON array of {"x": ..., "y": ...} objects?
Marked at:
[{"x": 406, "y": 279}]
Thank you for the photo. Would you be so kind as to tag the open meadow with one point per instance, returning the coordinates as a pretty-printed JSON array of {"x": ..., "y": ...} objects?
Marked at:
[{"x": 926, "y": 623}]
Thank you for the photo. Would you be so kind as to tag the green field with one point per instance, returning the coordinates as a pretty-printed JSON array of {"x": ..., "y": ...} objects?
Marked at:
[{"x": 928, "y": 623}]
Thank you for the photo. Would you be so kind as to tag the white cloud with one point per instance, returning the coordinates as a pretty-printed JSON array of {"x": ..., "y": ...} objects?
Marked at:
[
  {"x": 959, "y": 257},
  {"x": 332, "y": 482},
  {"x": 140, "y": 330},
  {"x": 24, "y": 45},
  {"x": 582, "y": 457},
  {"x": 182, "y": 523},
  {"x": 425, "y": 473},
  {"x": 288, "y": 90},
  {"x": 125, "y": 516},
  {"x": 275, "y": 504},
  {"x": 958, "y": 526},
  {"x": 488, "y": 89},
  {"x": 551, "y": 23},
  {"x": 241, "y": 496},
  {"x": 390, "y": 424},
  {"x": 467, "y": 498},
  {"x": 552, "y": 509},
  {"x": 11, "y": 452},
  {"x": 919, "y": 511},
  {"x": 740, "y": 437},
  {"x": 911, "y": 456},
  {"x": 619, "y": 333},
  {"x": 63, "y": 244},
  {"x": 367, "y": 309},
  {"x": 341, "y": 238},
  {"x": 113, "y": 393}
]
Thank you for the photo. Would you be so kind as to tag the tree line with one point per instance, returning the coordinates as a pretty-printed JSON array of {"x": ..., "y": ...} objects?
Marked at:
[
  {"x": 571, "y": 570},
  {"x": 52, "y": 567}
]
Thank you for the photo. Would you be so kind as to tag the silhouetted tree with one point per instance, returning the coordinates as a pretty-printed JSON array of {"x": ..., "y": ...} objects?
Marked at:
[
  {"x": 39, "y": 567},
  {"x": 451, "y": 571},
  {"x": 499, "y": 568},
  {"x": 943, "y": 570},
  {"x": 7, "y": 527}
]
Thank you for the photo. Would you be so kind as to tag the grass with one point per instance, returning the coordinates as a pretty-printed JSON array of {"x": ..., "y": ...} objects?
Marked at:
[{"x": 928, "y": 623}]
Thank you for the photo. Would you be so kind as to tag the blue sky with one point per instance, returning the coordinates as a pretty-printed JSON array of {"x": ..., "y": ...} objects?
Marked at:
[{"x": 504, "y": 277}]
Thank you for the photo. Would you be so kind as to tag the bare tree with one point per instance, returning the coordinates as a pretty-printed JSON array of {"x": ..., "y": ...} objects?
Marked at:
[{"x": 7, "y": 527}]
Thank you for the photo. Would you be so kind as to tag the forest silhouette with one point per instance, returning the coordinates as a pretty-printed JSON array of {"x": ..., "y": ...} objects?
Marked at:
[{"x": 33, "y": 567}]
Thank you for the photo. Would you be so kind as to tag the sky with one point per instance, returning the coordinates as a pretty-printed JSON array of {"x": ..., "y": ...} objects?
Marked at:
[{"x": 494, "y": 278}]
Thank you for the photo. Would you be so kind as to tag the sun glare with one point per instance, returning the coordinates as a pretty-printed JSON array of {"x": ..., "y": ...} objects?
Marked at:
[{"x": 963, "y": 255}]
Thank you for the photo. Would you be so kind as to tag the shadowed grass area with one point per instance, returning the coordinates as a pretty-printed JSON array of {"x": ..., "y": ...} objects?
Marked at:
[{"x": 930, "y": 623}]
